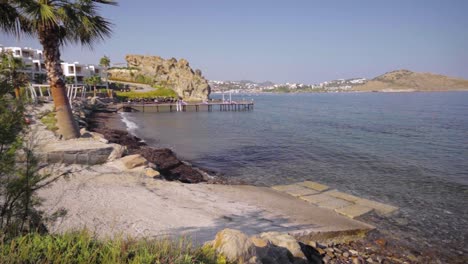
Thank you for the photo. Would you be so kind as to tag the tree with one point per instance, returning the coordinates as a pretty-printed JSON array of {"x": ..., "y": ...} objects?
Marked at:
[
  {"x": 105, "y": 63},
  {"x": 56, "y": 23},
  {"x": 11, "y": 68},
  {"x": 93, "y": 81}
]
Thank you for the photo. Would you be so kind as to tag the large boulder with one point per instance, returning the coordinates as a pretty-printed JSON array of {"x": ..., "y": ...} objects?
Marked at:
[
  {"x": 286, "y": 241},
  {"x": 235, "y": 246},
  {"x": 266, "y": 252},
  {"x": 170, "y": 166},
  {"x": 177, "y": 75}
]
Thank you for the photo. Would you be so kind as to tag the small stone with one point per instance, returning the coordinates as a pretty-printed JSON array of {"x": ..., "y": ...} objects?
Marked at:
[
  {"x": 134, "y": 161},
  {"x": 381, "y": 242},
  {"x": 321, "y": 251},
  {"x": 326, "y": 259},
  {"x": 346, "y": 254},
  {"x": 354, "y": 252},
  {"x": 337, "y": 250},
  {"x": 322, "y": 246},
  {"x": 313, "y": 244},
  {"x": 370, "y": 260},
  {"x": 152, "y": 173},
  {"x": 356, "y": 260}
]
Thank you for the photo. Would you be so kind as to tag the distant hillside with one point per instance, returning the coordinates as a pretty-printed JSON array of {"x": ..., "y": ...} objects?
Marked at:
[{"x": 404, "y": 80}]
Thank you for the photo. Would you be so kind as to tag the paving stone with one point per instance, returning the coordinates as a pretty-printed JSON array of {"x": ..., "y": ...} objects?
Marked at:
[
  {"x": 354, "y": 210},
  {"x": 284, "y": 188},
  {"x": 342, "y": 195},
  {"x": 315, "y": 186},
  {"x": 334, "y": 203},
  {"x": 316, "y": 198},
  {"x": 380, "y": 208},
  {"x": 301, "y": 191}
]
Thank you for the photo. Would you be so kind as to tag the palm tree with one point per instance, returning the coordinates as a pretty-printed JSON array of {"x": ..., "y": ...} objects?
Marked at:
[
  {"x": 105, "y": 63},
  {"x": 93, "y": 81},
  {"x": 12, "y": 67},
  {"x": 56, "y": 23}
]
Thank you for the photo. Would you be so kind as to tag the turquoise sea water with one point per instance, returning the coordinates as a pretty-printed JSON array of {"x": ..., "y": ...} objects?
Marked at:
[{"x": 405, "y": 149}]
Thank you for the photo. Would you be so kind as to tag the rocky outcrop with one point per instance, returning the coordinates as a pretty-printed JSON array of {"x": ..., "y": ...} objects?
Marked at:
[
  {"x": 171, "y": 73},
  {"x": 165, "y": 160}
]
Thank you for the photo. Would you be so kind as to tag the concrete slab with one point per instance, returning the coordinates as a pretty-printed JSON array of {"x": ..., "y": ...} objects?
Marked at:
[
  {"x": 284, "y": 188},
  {"x": 342, "y": 195},
  {"x": 380, "y": 208},
  {"x": 316, "y": 198},
  {"x": 315, "y": 186},
  {"x": 301, "y": 191},
  {"x": 354, "y": 210},
  {"x": 334, "y": 203},
  {"x": 77, "y": 151},
  {"x": 108, "y": 200}
]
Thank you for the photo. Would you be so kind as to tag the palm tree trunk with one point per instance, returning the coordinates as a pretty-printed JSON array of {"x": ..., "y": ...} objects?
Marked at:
[
  {"x": 66, "y": 124},
  {"x": 17, "y": 93}
]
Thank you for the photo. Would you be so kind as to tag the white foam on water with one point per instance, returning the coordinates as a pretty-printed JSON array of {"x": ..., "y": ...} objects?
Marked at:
[{"x": 131, "y": 126}]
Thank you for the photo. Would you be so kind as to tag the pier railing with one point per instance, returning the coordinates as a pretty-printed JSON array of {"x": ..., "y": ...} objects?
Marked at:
[{"x": 187, "y": 107}]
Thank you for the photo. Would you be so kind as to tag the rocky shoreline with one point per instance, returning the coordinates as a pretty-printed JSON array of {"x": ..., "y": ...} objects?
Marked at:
[
  {"x": 375, "y": 248},
  {"x": 164, "y": 159}
]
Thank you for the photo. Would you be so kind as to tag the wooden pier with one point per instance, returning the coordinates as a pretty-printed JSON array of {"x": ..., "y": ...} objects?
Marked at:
[{"x": 237, "y": 106}]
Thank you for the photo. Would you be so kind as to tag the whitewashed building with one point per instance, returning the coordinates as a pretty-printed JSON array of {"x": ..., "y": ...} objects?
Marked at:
[{"x": 34, "y": 62}]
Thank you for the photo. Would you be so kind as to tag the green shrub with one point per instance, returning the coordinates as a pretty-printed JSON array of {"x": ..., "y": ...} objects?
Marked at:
[
  {"x": 158, "y": 92},
  {"x": 50, "y": 121},
  {"x": 81, "y": 247}
]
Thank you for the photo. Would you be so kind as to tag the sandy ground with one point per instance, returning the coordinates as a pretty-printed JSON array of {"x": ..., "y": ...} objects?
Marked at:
[{"x": 108, "y": 201}]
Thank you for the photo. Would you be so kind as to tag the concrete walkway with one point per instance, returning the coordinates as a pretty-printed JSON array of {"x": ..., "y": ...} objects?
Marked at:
[{"x": 342, "y": 203}]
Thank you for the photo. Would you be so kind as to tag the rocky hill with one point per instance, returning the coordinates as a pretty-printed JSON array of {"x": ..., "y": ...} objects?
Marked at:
[
  {"x": 154, "y": 70},
  {"x": 408, "y": 81}
]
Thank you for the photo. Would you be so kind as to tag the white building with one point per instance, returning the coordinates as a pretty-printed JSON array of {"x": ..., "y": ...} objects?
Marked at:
[
  {"x": 78, "y": 72},
  {"x": 33, "y": 60}
]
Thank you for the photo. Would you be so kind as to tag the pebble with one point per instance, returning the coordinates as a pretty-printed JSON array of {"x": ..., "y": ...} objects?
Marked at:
[
  {"x": 356, "y": 260},
  {"x": 354, "y": 252},
  {"x": 381, "y": 242},
  {"x": 370, "y": 260},
  {"x": 326, "y": 259},
  {"x": 313, "y": 244},
  {"x": 337, "y": 250},
  {"x": 346, "y": 254}
]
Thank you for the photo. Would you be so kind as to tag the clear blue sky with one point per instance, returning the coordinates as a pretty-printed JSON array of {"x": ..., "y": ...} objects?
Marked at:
[{"x": 288, "y": 41}]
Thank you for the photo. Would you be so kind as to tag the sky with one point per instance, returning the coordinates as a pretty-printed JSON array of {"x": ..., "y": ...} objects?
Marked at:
[{"x": 307, "y": 41}]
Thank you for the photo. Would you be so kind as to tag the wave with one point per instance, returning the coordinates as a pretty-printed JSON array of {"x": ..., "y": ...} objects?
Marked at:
[{"x": 131, "y": 126}]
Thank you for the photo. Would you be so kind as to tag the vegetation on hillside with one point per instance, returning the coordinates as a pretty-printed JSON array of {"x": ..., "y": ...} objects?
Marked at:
[{"x": 158, "y": 92}]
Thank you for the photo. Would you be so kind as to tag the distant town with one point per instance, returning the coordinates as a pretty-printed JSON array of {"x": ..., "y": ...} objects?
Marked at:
[{"x": 340, "y": 85}]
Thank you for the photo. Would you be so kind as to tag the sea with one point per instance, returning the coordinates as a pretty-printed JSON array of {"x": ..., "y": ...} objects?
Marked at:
[{"x": 405, "y": 149}]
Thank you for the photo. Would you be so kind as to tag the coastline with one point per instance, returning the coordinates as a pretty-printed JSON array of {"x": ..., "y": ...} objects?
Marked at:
[
  {"x": 116, "y": 130},
  {"x": 414, "y": 251},
  {"x": 110, "y": 198}
]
